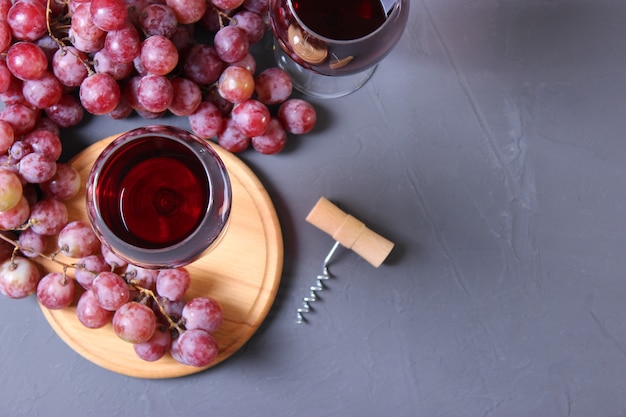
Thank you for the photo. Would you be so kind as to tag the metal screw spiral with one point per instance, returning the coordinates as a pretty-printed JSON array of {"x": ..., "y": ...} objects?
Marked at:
[{"x": 314, "y": 289}]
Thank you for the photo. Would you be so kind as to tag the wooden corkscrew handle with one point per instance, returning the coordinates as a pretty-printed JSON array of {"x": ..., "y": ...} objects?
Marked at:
[{"x": 350, "y": 232}]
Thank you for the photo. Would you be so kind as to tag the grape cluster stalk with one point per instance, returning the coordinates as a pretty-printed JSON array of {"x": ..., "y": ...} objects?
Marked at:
[{"x": 64, "y": 60}]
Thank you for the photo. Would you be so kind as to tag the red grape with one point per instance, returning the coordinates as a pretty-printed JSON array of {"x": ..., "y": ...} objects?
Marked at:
[
  {"x": 16, "y": 216},
  {"x": 48, "y": 216},
  {"x": 110, "y": 290},
  {"x": 43, "y": 92},
  {"x": 206, "y": 121},
  {"x": 155, "y": 93},
  {"x": 203, "y": 313},
  {"x": 236, "y": 84},
  {"x": 77, "y": 240},
  {"x": 108, "y": 14},
  {"x": 36, "y": 168},
  {"x": 27, "y": 20},
  {"x": 134, "y": 322},
  {"x": 67, "y": 112},
  {"x": 90, "y": 313},
  {"x": 158, "y": 19},
  {"x": 202, "y": 65},
  {"x": 187, "y": 97},
  {"x": 231, "y": 44},
  {"x": 99, "y": 93},
  {"x": 69, "y": 66},
  {"x": 32, "y": 244},
  {"x": 158, "y": 55},
  {"x": 297, "y": 116},
  {"x": 55, "y": 291},
  {"x": 155, "y": 348},
  {"x": 231, "y": 138},
  {"x": 26, "y": 61},
  {"x": 88, "y": 268},
  {"x": 273, "y": 85},
  {"x": 124, "y": 44},
  {"x": 18, "y": 277},
  {"x": 197, "y": 347},
  {"x": 272, "y": 141},
  {"x": 173, "y": 283},
  {"x": 251, "y": 117},
  {"x": 188, "y": 11}
]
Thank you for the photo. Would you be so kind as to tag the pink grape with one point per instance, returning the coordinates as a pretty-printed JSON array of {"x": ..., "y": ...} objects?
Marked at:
[
  {"x": 48, "y": 216},
  {"x": 82, "y": 23},
  {"x": 236, "y": 84},
  {"x": 13, "y": 93},
  {"x": 206, "y": 121},
  {"x": 155, "y": 93},
  {"x": 88, "y": 268},
  {"x": 99, "y": 93},
  {"x": 15, "y": 217},
  {"x": 110, "y": 290},
  {"x": 202, "y": 65},
  {"x": 43, "y": 92},
  {"x": 55, "y": 291},
  {"x": 36, "y": 168},
  {"x": 108, "y": 15},
  {"x": 67, "y": 112},
  {"x": 232, "y": 138},
  {"x": 90, "y": 313},
  {"x": 77, "y": 240},
  {"x": 173, "y": 283},
  {"x": 134, "y": 322},
  {"x": 122, "y": 110},
  {"x": 124, "y": 44},
  {"x": 272, "y": 141},
  {"x": 251, "y": 23},
  {"x": 65, "y": 183},
  {"x": 27, "y": 20},
  {"x": 19, "y": 150},
  {"x": 26, "y": 61},
  {"x": 158, "y": 55},
  {"x": 273, "y": 86},
  {"x": 69, "y": 66},
  {"x": 5, "y": 76},
  {"x": 203, "y": 313},
  {"x": 248, "y": 62},
  {"x": 187, "y": 97},
  {"x": 297, "y": 116},
  {"x": 32, "y": 244},
  {"x": 21, "y": 118},
  {"x": 86, "y": 45},
  {"x": 18, "y": 277},
  {"x": 158, "y": 19},
  {"x": 111, "y": 258},
  {"x": 11, "y": 190},
  {"x": 44, "y": 142},
  {"x": 155, "y": 348},
  {"x": 197, "y": 347},
  {"x": 188, "y": 11},
  {"x": 251, "y": 117},
  {"x": 103, "y": 62},
  {"x": 145, "y": 278},
  {"x": 7, "y": 136},
  {"x": 46, "y": 123},
  {"x": 227, "y": 4},
  {"x": 5, "y": 35},
  {"x": 231, "y": 44}
]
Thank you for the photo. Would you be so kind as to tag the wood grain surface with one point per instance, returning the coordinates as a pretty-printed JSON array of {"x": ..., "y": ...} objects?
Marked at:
[{"x": 243, "y": 273}]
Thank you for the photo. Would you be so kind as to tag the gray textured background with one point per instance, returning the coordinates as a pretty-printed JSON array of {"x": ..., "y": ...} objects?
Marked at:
[{"x": 490, "y": 146}]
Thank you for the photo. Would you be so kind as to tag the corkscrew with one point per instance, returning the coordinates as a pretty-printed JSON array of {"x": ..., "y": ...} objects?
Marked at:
[{"x": 348, "y": 232}]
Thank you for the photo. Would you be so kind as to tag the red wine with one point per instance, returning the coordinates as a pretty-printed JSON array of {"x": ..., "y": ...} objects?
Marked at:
[
  {"x": 154, "y": 192},
  {"x": 341, "y": 19}
]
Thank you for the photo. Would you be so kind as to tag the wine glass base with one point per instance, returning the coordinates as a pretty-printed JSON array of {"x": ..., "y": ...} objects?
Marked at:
[{"x": 318, "y": 85}]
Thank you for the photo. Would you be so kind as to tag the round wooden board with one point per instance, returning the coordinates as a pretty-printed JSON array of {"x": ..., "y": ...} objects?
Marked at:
[{"x": 243, "y": 273}]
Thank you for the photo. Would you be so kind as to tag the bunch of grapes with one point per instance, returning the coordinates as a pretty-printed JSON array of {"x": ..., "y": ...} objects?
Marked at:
[
  {"x": 62, "y": 60},
  {"x": 65, "y": 58}
]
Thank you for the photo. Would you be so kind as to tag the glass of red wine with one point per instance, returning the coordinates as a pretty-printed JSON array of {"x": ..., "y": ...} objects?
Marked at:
[
  {"x": 159, "y": 197},
  {"x": 332, "y": 47}
]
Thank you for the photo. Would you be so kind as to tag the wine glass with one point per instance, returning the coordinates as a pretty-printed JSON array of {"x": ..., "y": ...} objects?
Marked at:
[
  {"x": 332, "y": 47},
  {"x": 159, "y": 197}
]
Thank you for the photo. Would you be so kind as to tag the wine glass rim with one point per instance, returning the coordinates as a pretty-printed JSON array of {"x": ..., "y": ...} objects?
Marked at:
[{"x": 394, "y": 9}]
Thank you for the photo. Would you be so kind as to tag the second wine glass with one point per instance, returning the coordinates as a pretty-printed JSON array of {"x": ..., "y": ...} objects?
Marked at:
[{"x": 331, "y": 48}]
